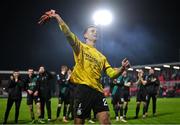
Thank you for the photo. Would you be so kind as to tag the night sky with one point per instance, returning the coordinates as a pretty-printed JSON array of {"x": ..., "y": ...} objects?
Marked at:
[{"x": 144, "y": 31}]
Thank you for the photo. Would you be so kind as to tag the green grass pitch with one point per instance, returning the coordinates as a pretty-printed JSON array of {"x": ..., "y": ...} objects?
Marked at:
[{"x": 168, "y": 112}]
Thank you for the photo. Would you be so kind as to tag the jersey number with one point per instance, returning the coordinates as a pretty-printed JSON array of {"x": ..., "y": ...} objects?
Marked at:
[{"x": 105, "y": 102}]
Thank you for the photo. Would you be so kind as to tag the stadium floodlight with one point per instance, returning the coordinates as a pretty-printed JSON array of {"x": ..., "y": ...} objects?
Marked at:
[
  {"x": 130, "y": 69},
  {"x": 176, "y": 67},
  {"x": 137, "y": 70},
  {"x": 158, "y": 69},
  {"x": 147, "y": 67},
  {"x": 102, "y": 17},
  {"x": 166, "y": 66}
]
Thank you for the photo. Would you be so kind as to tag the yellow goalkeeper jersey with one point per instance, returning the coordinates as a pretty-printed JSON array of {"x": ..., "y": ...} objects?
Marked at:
[{"x": 89, "y": 62}]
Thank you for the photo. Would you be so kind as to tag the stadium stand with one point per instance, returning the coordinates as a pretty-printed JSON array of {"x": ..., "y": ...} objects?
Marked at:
[{"x": 168, "y": 74}]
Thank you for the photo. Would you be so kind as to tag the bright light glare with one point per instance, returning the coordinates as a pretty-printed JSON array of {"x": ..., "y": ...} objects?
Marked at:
[
  {"x": 147, "y": 67},
  {"x": 166, "y": 66},
  {"x": 137, "y": 70},
  {"x": 176, "y": 67},
  {"x": 158, "y": 69},
  {"x": 130, "y": 69},
  {"x": 102, "y": 17}
]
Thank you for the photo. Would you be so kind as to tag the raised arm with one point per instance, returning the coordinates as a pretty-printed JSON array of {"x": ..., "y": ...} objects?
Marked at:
[
  {"x": 115, "y": 72},
  {"x": 71, "y": 37}
]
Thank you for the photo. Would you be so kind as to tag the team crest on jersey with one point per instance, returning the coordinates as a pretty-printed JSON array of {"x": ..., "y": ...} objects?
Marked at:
[{"x": 79, "y": 110}]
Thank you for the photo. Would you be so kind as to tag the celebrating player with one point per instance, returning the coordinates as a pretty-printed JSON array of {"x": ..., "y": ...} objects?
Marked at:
[
  {"x": 141, "y": 94},
  {"x": 89, "y": 63}
]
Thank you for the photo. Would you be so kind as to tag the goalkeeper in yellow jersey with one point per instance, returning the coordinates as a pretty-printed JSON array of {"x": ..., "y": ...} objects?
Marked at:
[{"x": 89, "y": 64}]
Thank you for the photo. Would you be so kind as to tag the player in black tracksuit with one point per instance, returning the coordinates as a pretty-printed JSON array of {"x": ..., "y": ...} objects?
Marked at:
[
  {"x": 14, "y": 95},
  {"x": 32, "y": 93},
  {"x": 44, "y": 91},
  {"x": 126, "y": 92},
  {"x": 63, "y": 99},
  {"x": 152, "y": 90},
  {"x": 141, "y": 93},
  {"x": 118, "y": 98}
]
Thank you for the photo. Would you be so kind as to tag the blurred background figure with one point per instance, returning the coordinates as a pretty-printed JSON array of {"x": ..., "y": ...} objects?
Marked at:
[{"x": 14, "y": 95}]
